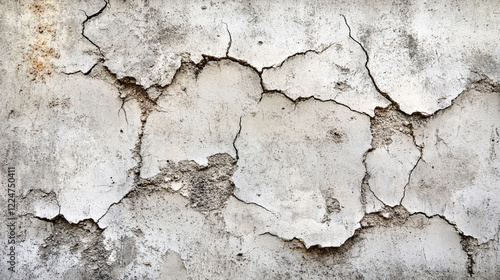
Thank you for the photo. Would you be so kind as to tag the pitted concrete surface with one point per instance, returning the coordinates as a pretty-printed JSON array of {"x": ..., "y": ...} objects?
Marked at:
[{"x": 250, "y": 139}]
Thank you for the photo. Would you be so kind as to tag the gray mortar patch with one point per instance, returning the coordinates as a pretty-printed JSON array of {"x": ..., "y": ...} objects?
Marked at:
[
  {"x": 84, "y": 240},
  {"x": 389, "y": 121},
  {"x": 208, "y": 187},
  {"x": 388, "y": 217}
]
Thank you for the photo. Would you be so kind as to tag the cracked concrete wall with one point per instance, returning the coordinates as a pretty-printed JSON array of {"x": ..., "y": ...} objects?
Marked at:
[{"x": 250, "y": 139}]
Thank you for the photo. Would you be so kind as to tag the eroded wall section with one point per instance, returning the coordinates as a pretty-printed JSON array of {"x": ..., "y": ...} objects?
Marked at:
[{"x": 250, "y": 139}]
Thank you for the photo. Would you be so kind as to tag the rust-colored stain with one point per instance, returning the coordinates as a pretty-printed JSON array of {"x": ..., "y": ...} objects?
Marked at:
[{"x": 40, "y": 52}]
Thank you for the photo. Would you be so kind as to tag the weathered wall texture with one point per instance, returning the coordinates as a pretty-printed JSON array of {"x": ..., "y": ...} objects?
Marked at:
[{"x": 254, "y": 139}]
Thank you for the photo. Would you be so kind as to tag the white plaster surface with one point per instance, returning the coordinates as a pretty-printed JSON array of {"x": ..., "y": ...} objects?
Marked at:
[
  {"x": 419, "y": 54},
  {"x": 146, "y": 40},
  {"x": 389, "y": 168},
  {"x": 199, "y": 115},
  {"x": 304, "y": 162},
  {"x": 425, "y": 53},
  {"x": 486, "y": 259},
  {"x": 336, "y": 73},
  {"x": 245, "y": 251},
  {"x": 63, "y": 138},
  {"x": 458, "y": 174},
  {"x": 250, "y": 139}
]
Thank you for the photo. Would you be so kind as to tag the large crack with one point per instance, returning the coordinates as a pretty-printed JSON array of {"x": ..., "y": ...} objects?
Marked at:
[
  {"x": 467, "y": 240},
  {"x": 390, "y": 217},
  {"x": 320, "y": 51},
  {"x": 468, "y": 243},
  {"x": 128, "y": 90},
  {"x": 230, "y": 40},
  {"x": 113, "y": 204},
  {"x": 384, "y": 94},
  {"x": 303, "y": 53},
  {"x": 256, "y": 204},
  {"x": 295, "y": 101},
  {"x": 303, "y": 99},
  {"x": 87, "y": 19},
  {"x": 409, "y": 179},
  {"x": 386, "y": 123},
  {"x": 236, "y": 138},
  {"x": 366, "y": 186},
  {"x": 148, "y": 105},
  {"x": 106, "y": 4}
]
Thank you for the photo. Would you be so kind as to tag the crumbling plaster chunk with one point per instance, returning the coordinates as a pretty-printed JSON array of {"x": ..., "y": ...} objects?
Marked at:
[
  {"x": 72, "y": 130},
  {"x": 389, "y": 168},
  {"x": 419, "y": 247},
  {"x": 425, "y": 53},
  {"x": 337, "y": 73},
  {"x": 162, "y": 223},
  {"x": 199, "y": 115},
  {"x": 265, "y": 33},
  {"x": 39, "y": 204},
  {"x": 304, "y": 162},
  {"x": 147, "y": 40},
  {"x": 459, "y": 172},
  {"x": 207, "y": 187}
]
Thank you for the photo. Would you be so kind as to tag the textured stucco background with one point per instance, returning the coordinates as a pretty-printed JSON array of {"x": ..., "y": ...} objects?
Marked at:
[{"x": 290, "y": 139}]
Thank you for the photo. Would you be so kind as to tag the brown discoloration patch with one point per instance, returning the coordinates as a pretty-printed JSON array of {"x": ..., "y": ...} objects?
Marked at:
[{"x": 40, "y": 52}]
